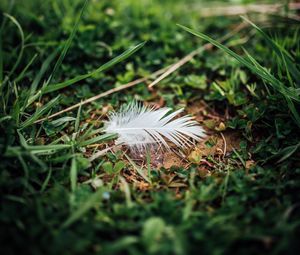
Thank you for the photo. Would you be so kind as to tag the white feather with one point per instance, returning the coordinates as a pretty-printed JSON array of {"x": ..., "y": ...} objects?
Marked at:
[{"x": 138, "y": 126}]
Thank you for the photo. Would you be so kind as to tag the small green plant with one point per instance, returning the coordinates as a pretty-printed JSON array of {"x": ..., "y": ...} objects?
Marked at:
[{"x": 286, "y": 63}]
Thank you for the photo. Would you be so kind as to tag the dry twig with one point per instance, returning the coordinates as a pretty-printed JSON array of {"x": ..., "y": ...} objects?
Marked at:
[
  {"x": 236, "y": 10},
  {"x": 166, "y": 71},
  {"x": 225, "y": 145},
  {"x": 191, "y": 55},
  {"x": 106, "y": 93}
]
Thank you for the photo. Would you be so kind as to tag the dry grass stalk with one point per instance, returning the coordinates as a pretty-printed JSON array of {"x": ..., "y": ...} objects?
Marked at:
[{"x": 164, "y": 72}]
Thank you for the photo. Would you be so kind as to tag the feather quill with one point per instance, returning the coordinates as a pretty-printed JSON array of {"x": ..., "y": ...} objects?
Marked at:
[{"x": 138, "y": 126}]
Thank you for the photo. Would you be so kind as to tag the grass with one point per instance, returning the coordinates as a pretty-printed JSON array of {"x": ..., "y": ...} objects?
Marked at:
[{"x": 236, "y": 192}]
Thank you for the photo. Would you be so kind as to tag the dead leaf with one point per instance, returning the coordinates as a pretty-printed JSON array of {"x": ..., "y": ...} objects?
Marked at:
[
  {"x": 249, "y": 164},
  {"x": 221, "y": 127},
  {"x": 195, "y": 156},
  {"x": 203, "y": 172}
]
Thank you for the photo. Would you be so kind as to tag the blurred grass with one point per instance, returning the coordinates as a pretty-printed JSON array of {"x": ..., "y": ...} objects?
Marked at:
[{"x": 54, "y": 200}]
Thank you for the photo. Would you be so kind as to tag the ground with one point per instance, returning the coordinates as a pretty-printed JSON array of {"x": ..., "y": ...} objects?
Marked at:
[{"x": 235, "y": 191}]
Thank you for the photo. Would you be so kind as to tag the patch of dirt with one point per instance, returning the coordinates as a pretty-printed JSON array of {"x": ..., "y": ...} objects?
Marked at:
[
  {"x": 171, "y": 159},
  {"x": 158, "y": 158},
  {"x": 140, "y": 156},
  {"x": 202, "y": 111},
  {"x": 215, "y": 147},
  {"x": 218, "y": 142}
]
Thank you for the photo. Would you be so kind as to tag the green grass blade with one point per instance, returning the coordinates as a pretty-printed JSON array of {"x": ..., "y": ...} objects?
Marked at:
[
  {"x": 73, "y": 174},
  {"x": 90, "y": 132},
  {"x": 138, "y": 169},
  {"x": 39, "y": 149},
  {"x": 39, "y": 112},
  {"x": 275, "y": 83},
  {"x": 102, "y": 68},
  {"x": 77, "y": 121},
  {"x": 69, "y": 41},
  {"x": 293, "y": 111},
  {"x": 55, "y": 147},
  {"x": 288, "y": 151},
  {"x": 1, "y": 58},
  {"x": 97, "y": 139},
  {"x": 94, "y": 199},
  {"x": 21, "y": 75},
  {"x": 51, "y": 58},
  {"x": 32, "y": 96},
  {"x": 255, "y": 68},
  {"x": 280, "y": 52},
  {"x": 45, "y": 183},
  {"x": 20, "y": 55}
]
